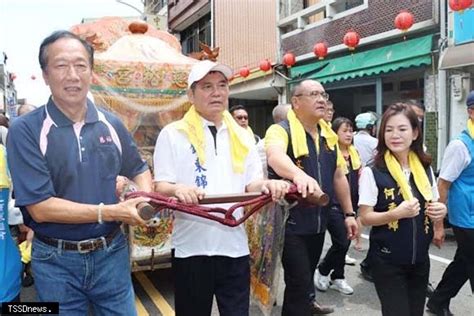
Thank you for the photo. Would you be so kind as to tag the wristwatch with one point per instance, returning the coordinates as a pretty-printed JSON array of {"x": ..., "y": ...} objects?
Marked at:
[{"x": 351, "y": 214}]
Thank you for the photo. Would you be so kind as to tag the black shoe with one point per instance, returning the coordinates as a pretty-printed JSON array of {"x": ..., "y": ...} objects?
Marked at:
[
  {"x": 438, "y": 311},
  {"x": 318, "y": 309},
  {"x": 366, "y": 273},
  {"x": 429, "y": 290}
]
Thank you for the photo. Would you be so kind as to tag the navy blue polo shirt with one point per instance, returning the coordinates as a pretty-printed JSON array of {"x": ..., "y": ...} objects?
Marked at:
[{"x": 51, "y": 156}]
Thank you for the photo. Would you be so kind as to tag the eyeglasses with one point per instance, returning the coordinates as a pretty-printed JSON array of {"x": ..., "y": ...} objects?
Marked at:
[
  {"x": 242, "y": 117},
  {"x": 314, "y": 94}
]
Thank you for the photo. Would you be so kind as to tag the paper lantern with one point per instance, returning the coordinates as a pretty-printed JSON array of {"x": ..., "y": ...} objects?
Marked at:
[
  {"x": 460, "y": 5},
  {"x": 320, "y": 50},
  {"x": 351, "y": 39},
  {"x": 289, "y": 59},
  {"x": 265, "y": 65},
  {"x": 404, "y": 20},
  {"x": 244, "y": 72}
]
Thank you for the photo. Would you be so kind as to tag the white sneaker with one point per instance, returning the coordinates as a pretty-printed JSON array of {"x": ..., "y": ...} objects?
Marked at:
[
  {"x": 341, "y": 286},
  {"x": 350, "y": 261},
  {"x": 321, "y": 282}
]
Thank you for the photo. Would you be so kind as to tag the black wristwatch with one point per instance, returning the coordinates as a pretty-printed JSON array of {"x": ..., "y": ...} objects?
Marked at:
[{"x": 351, "y": 214}]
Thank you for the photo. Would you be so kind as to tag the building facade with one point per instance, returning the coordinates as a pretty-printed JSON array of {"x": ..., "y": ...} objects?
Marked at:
[
  {"x": 8, "y": 94},
  {"x": 456, "y": 68},
  {"x": 386, "y": 66},
  {"x": 245, "y": 33}
]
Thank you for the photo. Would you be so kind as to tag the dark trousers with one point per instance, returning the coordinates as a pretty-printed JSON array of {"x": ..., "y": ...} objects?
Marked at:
[
  {"x": 459, "y": 270},
  {"x": 300, "y": 257},
  {"x": 197, "y": 279},
  {"x": 401, "y": 288},
  {"x": 336, "y": 256}
]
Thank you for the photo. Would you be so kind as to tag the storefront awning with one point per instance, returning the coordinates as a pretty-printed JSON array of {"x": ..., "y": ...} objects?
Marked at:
[
  {"x": 410, "y": 53},
  {"x": 457, "y": 56}
]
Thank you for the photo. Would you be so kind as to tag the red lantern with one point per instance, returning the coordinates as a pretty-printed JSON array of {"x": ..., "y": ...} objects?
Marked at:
[
  {"x": 404, "y": 20},
  {"x": 351, "y": 39},
  {"x": 244, "y": 72},
  {"x": 289, "y": 59},
  {"x": 320, "y": 50},
  {"x": 460, "y": 5},
  {"x": 265, "y": 65}
]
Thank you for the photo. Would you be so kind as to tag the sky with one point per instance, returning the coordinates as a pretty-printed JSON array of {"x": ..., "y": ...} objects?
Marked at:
[{"x": 25, "y": 23}]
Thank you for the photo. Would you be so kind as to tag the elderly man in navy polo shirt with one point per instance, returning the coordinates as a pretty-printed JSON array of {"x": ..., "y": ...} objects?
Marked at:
[{"x": 64, "y": 158}]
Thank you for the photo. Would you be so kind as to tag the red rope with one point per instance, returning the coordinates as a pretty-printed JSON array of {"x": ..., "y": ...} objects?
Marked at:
[{"x": 160, "y": 202}]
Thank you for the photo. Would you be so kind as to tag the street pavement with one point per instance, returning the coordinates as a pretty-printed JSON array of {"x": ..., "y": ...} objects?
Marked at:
[{"x": 154, "y": 291}]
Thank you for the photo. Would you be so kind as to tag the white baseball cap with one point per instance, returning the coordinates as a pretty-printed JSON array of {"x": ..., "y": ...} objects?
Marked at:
[{"x": 202, "y": 68}]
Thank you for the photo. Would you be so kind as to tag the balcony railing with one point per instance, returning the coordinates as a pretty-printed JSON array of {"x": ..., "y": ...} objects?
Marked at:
[{"x": 319, "y": 13}]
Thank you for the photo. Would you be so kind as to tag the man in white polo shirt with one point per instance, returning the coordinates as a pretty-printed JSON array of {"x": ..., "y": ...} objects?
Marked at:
[{"x": 207, "y": 152}]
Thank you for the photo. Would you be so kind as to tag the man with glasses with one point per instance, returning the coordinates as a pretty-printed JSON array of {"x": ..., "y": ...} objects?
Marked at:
[
  {"x": 241, "y": 116},
  {"x": 456, "y": 187},
  {"x": 329, "y": 111},
  {"x": 207, "y": 152},
  {"x": 303, "y": 149}
]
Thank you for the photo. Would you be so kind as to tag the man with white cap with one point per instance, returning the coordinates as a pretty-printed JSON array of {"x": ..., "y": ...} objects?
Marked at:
[{"x": 207, "y": 152}]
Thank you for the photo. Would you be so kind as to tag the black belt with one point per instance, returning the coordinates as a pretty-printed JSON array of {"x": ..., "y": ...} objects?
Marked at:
[{"x": 82, "y": 246}]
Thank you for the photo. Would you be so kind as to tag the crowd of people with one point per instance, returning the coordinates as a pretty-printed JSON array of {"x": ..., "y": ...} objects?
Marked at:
[{"x": 64, "y": 159}]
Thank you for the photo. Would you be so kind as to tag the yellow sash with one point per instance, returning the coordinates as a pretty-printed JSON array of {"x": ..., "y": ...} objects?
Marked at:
[
  {"x": 421, "y": 179},
  {"x": 355, "y": 158},
  {"x": 298, "y": 139},
  {"x": 470, "y": 128},
  {"x": 192, "y": 125},
  {"x": 4, "y": 174}
]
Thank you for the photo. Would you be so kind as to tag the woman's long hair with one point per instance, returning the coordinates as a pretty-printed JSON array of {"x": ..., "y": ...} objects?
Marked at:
[{"x": 416, "y": 146}]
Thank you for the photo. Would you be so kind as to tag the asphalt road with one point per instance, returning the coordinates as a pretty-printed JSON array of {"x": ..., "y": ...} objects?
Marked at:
[{"x": 154, "y": 292}]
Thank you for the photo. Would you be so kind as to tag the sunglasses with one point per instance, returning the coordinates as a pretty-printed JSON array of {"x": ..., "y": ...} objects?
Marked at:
[{"x": 242, "y": 117}]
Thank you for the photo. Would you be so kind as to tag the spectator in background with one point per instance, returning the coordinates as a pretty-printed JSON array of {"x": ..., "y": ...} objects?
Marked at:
[
  {"x": 329, "y": 111},
  {"x": 336, "y": 257},
  {"x": 4, "y": 121},
  {"x": 279, "y": 112},
  {"x": 25, "y": 245},
  {"x": 364, "y": 140},
  {"x": 4, "y": 124},
  {"x": 25, "y": 108},
  {"x": 10, "y": 264},
  {"x": 241, "y": 116}
]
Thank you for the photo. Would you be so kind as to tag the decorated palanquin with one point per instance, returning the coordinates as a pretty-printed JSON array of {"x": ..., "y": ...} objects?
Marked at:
[{"x": 141, "y": 75}]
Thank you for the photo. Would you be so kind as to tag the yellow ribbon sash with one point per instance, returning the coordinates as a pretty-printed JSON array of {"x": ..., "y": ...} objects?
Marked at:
[
  {"x": 4, "y": 174},
  {"x": 421, "y": 179},
  {"x": 470, "y": 128},
  {"x": 192, "y": 125},
  {"x": 355, "y": 158},
  {"x": 298, "y": 138}
]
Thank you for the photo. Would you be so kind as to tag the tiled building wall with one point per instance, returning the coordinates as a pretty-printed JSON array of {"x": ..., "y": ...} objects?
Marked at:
[{"x": 377, "y": 18}]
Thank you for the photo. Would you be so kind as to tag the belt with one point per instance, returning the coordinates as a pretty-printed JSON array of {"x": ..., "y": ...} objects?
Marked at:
[{"x": 82, "y": 246}]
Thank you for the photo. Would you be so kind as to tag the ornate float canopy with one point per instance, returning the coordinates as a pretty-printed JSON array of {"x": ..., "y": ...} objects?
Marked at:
[{"x": 139, "y": 73}]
